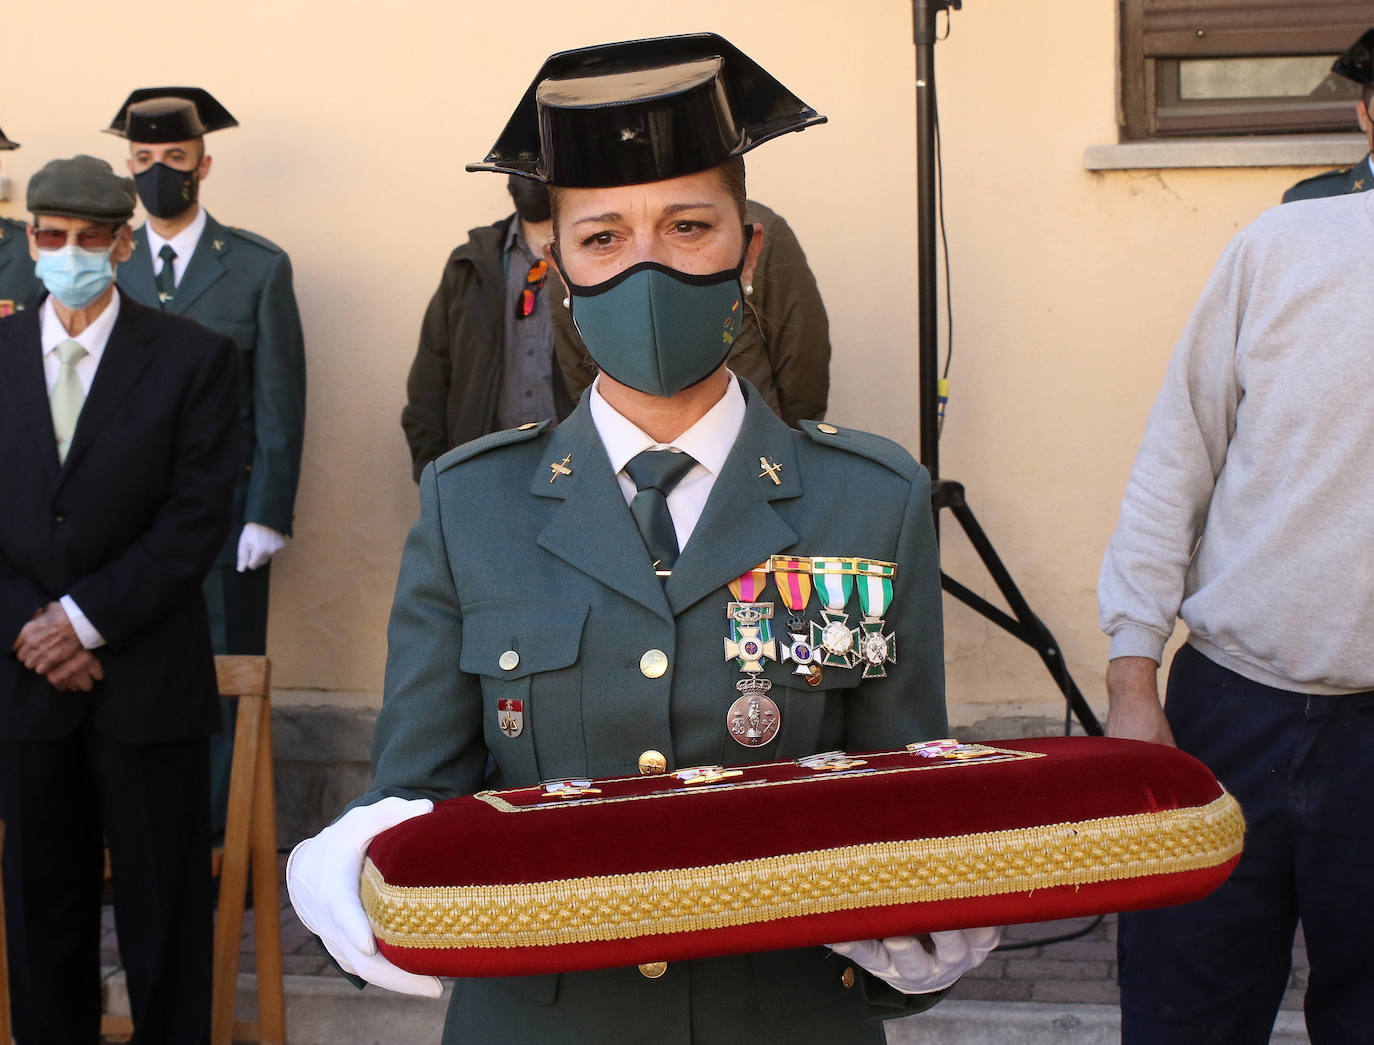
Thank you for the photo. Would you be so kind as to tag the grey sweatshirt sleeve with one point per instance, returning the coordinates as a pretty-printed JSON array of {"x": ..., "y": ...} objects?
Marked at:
[{"x": 1145, "y": 569}]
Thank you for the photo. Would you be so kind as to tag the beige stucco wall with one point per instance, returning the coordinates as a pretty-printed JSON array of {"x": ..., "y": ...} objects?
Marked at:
[{"x": 1069, "y": 287}]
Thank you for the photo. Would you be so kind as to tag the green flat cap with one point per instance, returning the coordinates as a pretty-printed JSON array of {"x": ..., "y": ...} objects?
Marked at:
[{"x": 82, "y": 187}]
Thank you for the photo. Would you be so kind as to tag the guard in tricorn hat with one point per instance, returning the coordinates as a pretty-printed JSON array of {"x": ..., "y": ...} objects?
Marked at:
[
  {"x": 1356, "y": 64},
  {"x": 592, "y": 574},
  {"x": 238, "y": 283},
  {"x": 19, "y": 288},
  {"x": 118, "y": 429}
]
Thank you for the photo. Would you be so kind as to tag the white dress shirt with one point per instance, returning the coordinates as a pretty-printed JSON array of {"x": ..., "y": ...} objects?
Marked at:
[
  {"x": 184, "y": 243},
  {"x": 709, "y": 441},
  {"x": 93, "y": 339}
]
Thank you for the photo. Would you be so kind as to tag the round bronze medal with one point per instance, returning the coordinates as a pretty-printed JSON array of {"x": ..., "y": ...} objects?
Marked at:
[{"x": 753, "y": 720}]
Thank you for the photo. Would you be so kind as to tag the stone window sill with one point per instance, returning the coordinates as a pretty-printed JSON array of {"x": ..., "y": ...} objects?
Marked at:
[{"x": 1289, "y": 150}]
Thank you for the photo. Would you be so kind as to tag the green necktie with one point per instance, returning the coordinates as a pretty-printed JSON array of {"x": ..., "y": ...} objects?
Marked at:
[
  {"x": 67, "y": 396},
  {"x": 655, "y": 473},
  {"x": 166, "y": 278}
]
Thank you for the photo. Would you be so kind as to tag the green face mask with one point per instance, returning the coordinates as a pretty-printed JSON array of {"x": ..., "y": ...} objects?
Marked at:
[{"x": 659, "y": 330}]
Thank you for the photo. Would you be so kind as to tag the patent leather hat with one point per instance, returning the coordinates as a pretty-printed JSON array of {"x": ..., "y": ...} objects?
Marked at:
[
  {"x": 1357, "y": 61},
  {"x": 643, "y": 110},
  {"x": 169, "y": 114}
]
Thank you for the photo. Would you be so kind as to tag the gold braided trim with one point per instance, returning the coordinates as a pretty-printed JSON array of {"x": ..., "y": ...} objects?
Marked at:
[{"x": 692, "y": 899}]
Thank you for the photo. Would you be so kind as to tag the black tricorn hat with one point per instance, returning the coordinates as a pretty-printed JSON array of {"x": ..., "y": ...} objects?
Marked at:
[
  {"x": 169, "y": 114},
  {"x": 643, "y": 110},
  {"x": 5, "y": 143},
  {"x": 1357, "y": 61}
]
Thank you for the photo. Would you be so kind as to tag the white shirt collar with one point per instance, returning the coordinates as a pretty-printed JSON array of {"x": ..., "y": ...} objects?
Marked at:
[
  {"x": 709, "y": 441},
  {"x": 93, "y": 339},
  {"x": 184, "y": 243}
]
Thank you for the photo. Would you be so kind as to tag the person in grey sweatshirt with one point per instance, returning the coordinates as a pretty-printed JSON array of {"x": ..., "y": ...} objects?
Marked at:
[{"x": 1249, "y": 515}]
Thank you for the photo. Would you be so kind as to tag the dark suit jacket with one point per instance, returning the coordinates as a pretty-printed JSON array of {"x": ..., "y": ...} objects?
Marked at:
[
  {"x": 1333, "y": 183},
  {"x": 127, "y": 526},
  {"x": 238, "y": 283}
]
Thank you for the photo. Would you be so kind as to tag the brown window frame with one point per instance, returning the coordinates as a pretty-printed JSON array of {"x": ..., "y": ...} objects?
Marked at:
[{"x": 1157, "y": 34}]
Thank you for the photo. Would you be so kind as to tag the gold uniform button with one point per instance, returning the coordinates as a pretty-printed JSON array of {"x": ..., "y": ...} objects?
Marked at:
[
  {"x": 828, "y": 429},
  {"x": 653, "y": 970},
  {"x": 652, "y": 762},
  {"x": 653, "y": 664},
  {"x": 847, "y": 978},
  {"x": 527, "y": 426},
  {"x": 510, "y": 660}
]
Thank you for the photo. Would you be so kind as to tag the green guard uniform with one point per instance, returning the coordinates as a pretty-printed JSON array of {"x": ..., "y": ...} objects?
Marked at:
[
  {"x": 529, "y": 583},
  {"x": 1359, "y": 178},
  {"x": 19, "y": 287},
  {"x": 239, "y": 284}
]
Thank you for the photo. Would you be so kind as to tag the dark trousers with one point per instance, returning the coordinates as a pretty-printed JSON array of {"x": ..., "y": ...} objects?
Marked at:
[
  {"x": 62, "y": 801},
  {"x": 1302, "y": 768},
  {"x": 237, "y": 603}
]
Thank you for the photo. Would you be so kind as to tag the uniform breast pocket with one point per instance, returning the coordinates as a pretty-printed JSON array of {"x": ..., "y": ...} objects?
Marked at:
[
  {"x": 812, "y": 712},
  {"x": 526, "y": 655}
]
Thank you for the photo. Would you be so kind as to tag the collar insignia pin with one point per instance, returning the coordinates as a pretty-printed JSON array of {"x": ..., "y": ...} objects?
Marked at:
[
  {"x": 771, "y": 470},
  {"x": 560, "y": 468}
]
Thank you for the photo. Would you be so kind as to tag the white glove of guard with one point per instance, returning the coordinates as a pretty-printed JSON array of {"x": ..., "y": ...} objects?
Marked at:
[
  {"x": 257, "y": 544},
  {"x": 322, "y": 879},
  {"x": 907, "y": 964}
]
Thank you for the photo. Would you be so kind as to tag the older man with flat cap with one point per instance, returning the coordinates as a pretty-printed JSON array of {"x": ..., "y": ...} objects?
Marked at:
[
  {"x": 118, "y": 428},
  {"x": 19, "y": 288},
  {"x": 236, "y": 283}
]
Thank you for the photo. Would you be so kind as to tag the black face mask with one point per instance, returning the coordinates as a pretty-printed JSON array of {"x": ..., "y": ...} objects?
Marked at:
[{"x": 166, "y": 191}]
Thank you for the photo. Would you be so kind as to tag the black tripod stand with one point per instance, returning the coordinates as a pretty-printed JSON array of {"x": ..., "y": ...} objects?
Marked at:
[{"x": 945, "y": 493}]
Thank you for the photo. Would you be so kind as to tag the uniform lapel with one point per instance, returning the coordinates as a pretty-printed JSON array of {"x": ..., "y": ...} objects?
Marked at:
[
  {"x": 593, "y": 530},
  {"x": 136, "y": 274},
  {"x": 207, "y": 264},
  {"x": 23, "y": 384},
  {"x": 1359, "y": 179},
  {"x": 126, "y": 356},
  {"x": 739, "y": 528}
]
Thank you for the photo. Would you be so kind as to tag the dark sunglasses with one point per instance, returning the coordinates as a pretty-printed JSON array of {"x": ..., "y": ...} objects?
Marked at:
[
  {"x": 534, "y": 283},
  {"x": 97, "y": 237}
]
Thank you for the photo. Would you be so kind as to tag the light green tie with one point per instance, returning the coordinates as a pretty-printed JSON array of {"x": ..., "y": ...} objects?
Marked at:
[{"x": 67, "y": 396}]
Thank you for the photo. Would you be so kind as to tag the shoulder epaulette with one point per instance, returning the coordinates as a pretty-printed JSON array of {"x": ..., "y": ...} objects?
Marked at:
[
  {"x": 1300, "y": 190},
  {"x": 255, "y": 239},
  {"x": 865, "y": 444},
  {"x": 484, "y": 443}
]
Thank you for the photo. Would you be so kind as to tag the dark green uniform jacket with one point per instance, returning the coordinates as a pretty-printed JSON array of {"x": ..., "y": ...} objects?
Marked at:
[
  {"x": 783, "y": 349},
  {"x": 1333, "y": 183},
  {"x": 503, "y": 559},
  {"x": 19, "y": 287},
  {"x": 239, "y": 284}
]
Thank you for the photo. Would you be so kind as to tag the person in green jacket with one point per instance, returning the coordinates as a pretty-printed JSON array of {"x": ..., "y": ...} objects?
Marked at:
[
  {"x": 563, "y": 598},
  {"x": 19, "y": 287},
  {"x": 236, "y": 283}
]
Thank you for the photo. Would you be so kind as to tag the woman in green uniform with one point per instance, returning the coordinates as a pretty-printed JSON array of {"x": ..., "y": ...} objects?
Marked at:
[{"x": 563, "y": 597}]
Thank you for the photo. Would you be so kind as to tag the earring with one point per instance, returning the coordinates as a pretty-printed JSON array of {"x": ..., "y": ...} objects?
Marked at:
[
  {"x": 748, "y": 289},
  {"x": 567, "y": 302}
]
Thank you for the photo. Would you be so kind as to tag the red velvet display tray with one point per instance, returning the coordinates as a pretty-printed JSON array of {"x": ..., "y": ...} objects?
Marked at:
[{"x": 593, "y": 874}]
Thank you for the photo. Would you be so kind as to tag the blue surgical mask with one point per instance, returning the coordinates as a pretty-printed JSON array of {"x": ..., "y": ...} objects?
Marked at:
[
  {"x": 74, "y": 275},
  {"x": 659, "y": 330}
]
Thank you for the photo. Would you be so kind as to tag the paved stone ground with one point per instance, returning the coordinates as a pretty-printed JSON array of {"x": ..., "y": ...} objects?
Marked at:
[{"x": 1078, "y": 971}]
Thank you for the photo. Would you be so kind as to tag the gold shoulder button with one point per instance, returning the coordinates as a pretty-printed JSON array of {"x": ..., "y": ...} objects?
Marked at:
[
  {"x": 527, "y": 426},
  {"x": 827, "y": 429}
]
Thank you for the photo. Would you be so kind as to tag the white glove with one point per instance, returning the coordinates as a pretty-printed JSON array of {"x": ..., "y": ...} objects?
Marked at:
[
  {"x": 322, "y": 879},
  {"x": 257, "y": 544},
  {"x": 907, "y": 964}
]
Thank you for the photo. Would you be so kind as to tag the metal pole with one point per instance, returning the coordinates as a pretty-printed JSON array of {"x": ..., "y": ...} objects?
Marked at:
[{"x": 923, "y": 20}]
